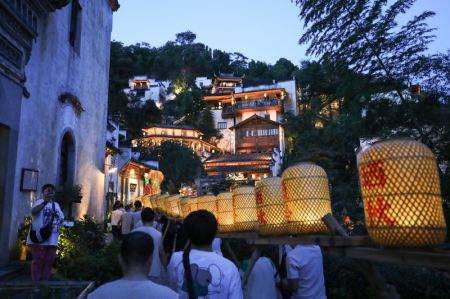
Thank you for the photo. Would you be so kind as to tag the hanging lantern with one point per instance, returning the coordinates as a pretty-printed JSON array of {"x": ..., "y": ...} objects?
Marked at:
[
  {"x": 244, "y": 207},
  {"x": 172, "y": 206},
  {"x": 188, "y": 204},
  {"x": 154, "y": 202},
  {"x": 307, "y": 196},
  {"x": 225, "y": 216},
  {"x": 401, "y": 191},
  {"x": 207, "y": 202},
  {"x": 270, "y": 207}
]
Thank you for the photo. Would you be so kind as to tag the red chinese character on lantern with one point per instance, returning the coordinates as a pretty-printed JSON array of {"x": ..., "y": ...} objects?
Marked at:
[
  {"x": 373, "y": 175},
  {"x": 261, "y": 217},
  {"x": 285, "y": 195},
  {"x": 377, "y": 208},
  {"x": 259, "y": 198},
  {"x": 288, "y": 213}
]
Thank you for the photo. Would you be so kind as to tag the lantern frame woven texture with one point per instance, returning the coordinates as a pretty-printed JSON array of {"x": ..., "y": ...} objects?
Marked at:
[
  {"x": 172, "y": 206},
  {"x": 307, "y": 196},
  {"x": 244, "y": 209},
  {"x": 207, "y": 202},
  {"x": 225, "y": 212},
  {"x": 146, "y": 201},
  {"x": 162, "y": 203},
  {"x": 188, "y": 205},
  {"x": 271, "y": 207},
  {"x": 400, "y": 186},
  {"x": 154, "y": 202}
]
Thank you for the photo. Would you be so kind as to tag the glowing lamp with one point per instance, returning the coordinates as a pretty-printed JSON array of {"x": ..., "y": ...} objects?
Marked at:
[
  {"x": 307, "y": 196},
  {"x": 244, "y": 207},
  {"x": 172, "y": 206},
  {"x": 188, "y": 204},
  {"x": 225, "y": 216},
  {"x": 401, "y": 192},
  {"x": 270, "y": 207},
  {"x": 209, "y": 203}
]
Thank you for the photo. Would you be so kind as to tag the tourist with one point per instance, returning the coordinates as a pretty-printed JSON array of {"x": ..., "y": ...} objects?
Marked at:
[
  {"x": 116, "y": 220},
  {"x": 157, "y": 273},
  {"x": 127, "y": 221},
  {"x": 135, "y": 259},
  {"x": 44, "y": 251},
  {"x": 305, "y": 272},
  {"x": 207, "y": 275},
  {"x": 137, "y": 214}
]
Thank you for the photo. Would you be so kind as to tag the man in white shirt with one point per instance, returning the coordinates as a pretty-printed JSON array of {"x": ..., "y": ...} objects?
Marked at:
[
  {"x": 127, "y": 221},
  {"x": 262, "y": 281},
  {"x": 157, "y": 273},
  {"x": 44, "y": 252},
  {"x": 210, "y": 275},
  {"x": 116, "y": 220},
  {"x": 137, "y": 214},
  {"x": 135, "y": 258},
  {"x": 305, "y": 272}
]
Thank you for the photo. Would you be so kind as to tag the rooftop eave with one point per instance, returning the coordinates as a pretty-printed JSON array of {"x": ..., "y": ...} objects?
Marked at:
[{"x": 114, "y": 5}]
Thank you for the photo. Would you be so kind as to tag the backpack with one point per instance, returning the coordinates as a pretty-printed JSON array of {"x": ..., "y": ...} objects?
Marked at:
[{"x": 42, "y": 234}]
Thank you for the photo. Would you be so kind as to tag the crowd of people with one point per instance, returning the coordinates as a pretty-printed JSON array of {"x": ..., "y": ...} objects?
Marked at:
[{"x": 167, "y": 259}]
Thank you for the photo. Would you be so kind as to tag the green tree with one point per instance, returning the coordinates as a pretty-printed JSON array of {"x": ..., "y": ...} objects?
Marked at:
[
  {"x": 283, "y": 69},
  {"x": 185, "y": 38},
  {"x": 179, "y": 164},
  {"x": 206, "y": 124}
]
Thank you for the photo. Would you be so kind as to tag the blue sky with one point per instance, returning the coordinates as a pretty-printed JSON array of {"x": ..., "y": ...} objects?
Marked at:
[{"x": 264, "y": 30}]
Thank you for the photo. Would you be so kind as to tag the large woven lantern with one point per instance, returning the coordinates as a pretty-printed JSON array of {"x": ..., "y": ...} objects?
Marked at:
[
  {"x": 307, "y": 196},
  {"x": 188, "y": 204},
  {"x": 225, "y": 216},
  {"x": 172, "y": 206},
  {"x": 154, "y": 202},
  {"x": 271, "y": 207},
  {"x": 162, "y": 203},
  {"x": 400, "y": 186},
  {"x": 244, "y": 206},
  {"x": 207, "y": 202},
  {"x": 146, "y": 201}
]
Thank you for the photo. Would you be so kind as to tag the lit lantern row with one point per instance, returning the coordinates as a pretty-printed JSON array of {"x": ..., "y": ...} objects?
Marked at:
[{"x": 399, "y": 183}]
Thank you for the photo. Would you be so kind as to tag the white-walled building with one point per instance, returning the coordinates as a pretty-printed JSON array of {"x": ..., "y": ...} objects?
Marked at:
[
  {"x": 54, "y": 71},
  {"x": 145, "y": 88}
]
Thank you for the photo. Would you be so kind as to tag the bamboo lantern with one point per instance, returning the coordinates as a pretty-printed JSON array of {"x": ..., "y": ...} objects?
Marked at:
[
  {"x": 172, "y": 206},
  {"x": 401, "y": 192},
  {"x": 244, "y": 207},
  {"x": 162, "y": 203},
  {"x": 307, "y": 196},
  {"x": 225, "y": 216},
  {"x": 154, "y": 202},
  {"x": 146, "y": 201},
  {"x": 188, "y": 204},
  {"x": 209, "y": 203},
  {"x": 270, "y": 207}
]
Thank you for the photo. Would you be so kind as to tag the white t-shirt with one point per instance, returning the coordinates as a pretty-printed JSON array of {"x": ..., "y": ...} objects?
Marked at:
[
  {"x": 216, "y": 246},
  {"x": 116, "y": 217},
  {"x": 44, "y": 217},
  {"x": 261, "y": 283},
  {"x": 137, "y": 221},
  {"x": 214, "y": 277},
  {"x": 132, "y": 289},
  {"x": 127, "y": 222},
  {"x": 304, "y": 263},
  {"x": 156, "y": 269}
]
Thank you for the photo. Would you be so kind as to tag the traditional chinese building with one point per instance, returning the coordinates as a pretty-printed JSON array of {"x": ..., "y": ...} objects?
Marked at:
[
  {"x": 250, "y": 118},
  {"x": 54, "y": 69},
  {"x": 186, "y": 135},
  {"x": 144, "y": 88}
]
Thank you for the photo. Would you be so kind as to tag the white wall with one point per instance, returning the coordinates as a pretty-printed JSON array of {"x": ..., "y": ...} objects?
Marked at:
[{"x": 54, "y": 68}]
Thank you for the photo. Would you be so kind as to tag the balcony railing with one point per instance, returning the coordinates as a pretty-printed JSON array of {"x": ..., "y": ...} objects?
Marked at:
[
  {"x": 227, "y": 112},
  {"x": 258, "y": 103}
]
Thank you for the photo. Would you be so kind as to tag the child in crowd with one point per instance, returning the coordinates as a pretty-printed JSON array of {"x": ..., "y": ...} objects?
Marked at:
[
  {"x": 198, "y": 272},
  {"x": 135, "y": 258}
]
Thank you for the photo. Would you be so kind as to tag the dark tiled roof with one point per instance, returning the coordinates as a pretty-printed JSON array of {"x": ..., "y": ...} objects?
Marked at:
[
  {"x": 227, "y": 76},
  {"x": 185, "y": 127},
  {"x": 255, "y": 117},
  {"x": 259, "y": 82},
  {"x": 240, "y": 168}
]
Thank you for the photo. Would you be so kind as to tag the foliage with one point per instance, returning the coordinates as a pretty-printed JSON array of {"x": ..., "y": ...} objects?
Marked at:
[
  {"x": 206, "y": 124},
  {"x": 179, "y": 164}
]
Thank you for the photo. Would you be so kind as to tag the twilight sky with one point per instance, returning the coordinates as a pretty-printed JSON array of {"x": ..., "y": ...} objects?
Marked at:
[{"x": 264, "y": 30}]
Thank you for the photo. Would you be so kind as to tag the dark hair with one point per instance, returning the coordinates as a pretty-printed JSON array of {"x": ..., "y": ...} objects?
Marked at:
[
  {"x": 137, "y": 204},
  {"x": 201, "y": 227},
  {"x": 127, "y": 207},
  {"x": 136, "y": 248},
  {"x": 48, "y": 186},
  {"x": 147, "y": 215}
]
